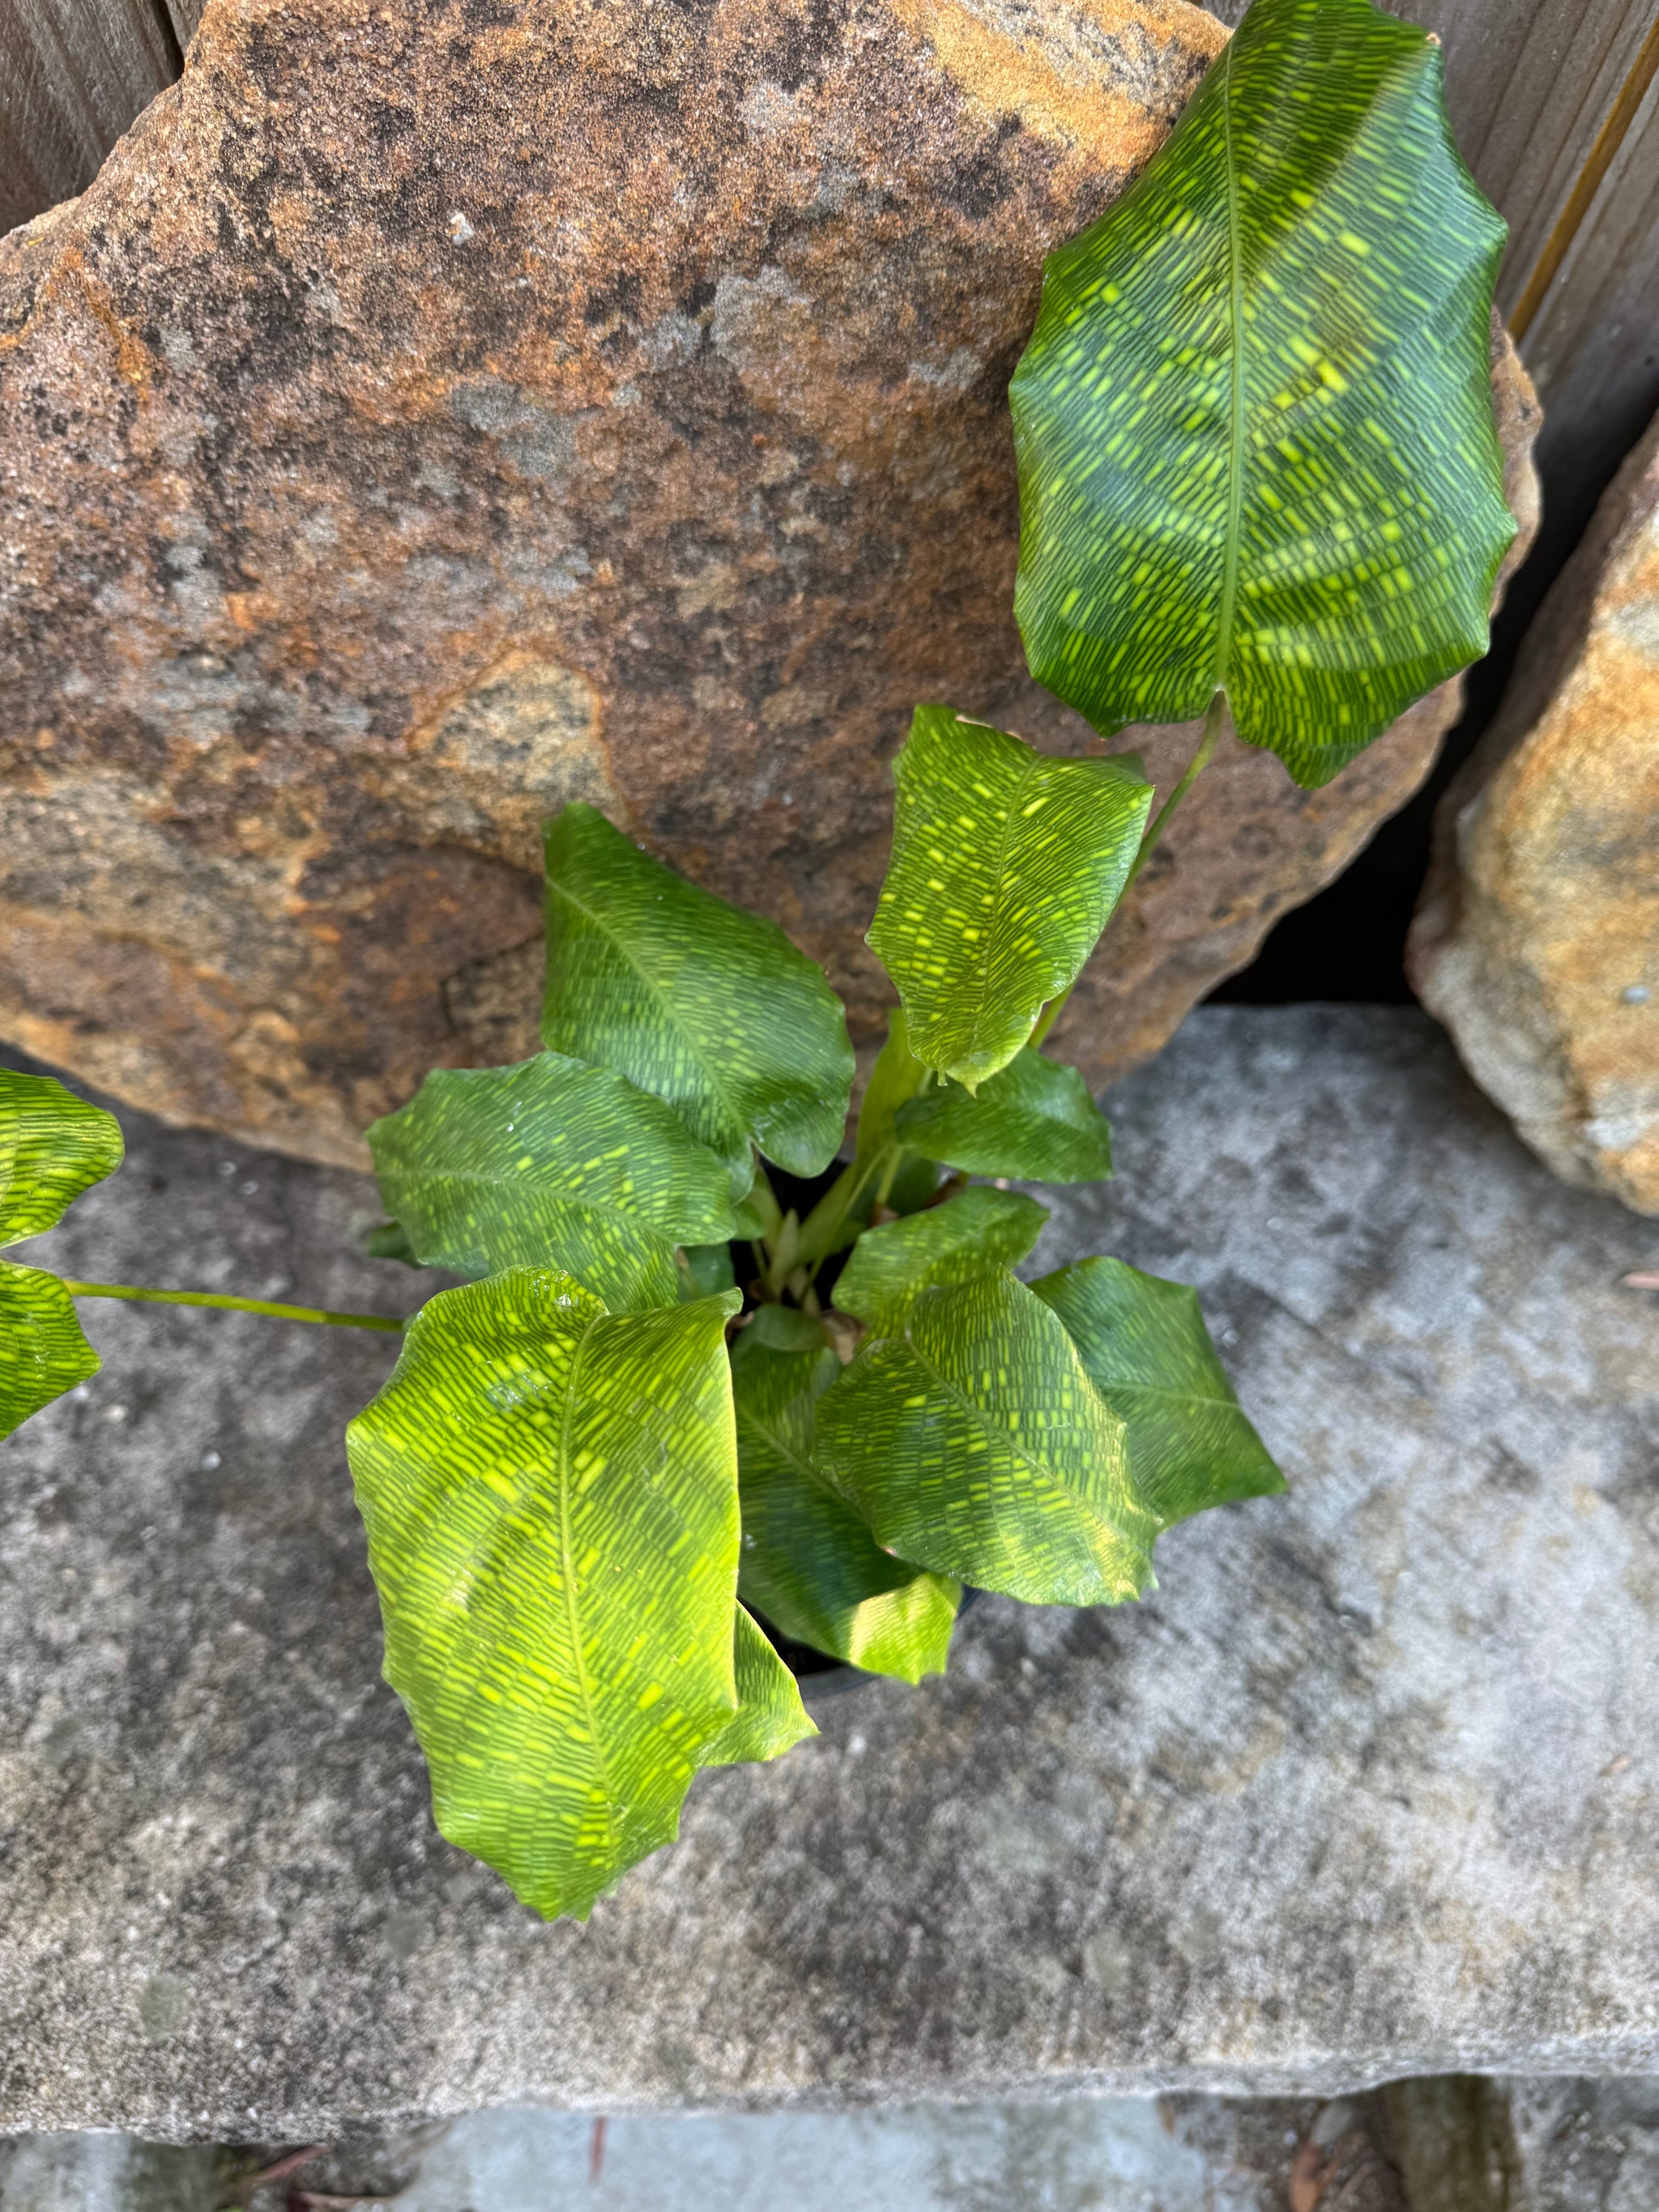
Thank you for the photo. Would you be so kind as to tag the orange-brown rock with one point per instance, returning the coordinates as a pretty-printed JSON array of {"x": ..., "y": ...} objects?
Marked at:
[
  {"x": 440, "y": 409},
  {"x": 1537, "y": 939}
]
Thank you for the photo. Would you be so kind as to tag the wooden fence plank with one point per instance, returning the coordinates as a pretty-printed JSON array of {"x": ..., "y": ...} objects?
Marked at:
[
  {"x": 75, "y": 72},
  {"x": 1529, "y": 83},
  {"x": 1593, "y": 349}
]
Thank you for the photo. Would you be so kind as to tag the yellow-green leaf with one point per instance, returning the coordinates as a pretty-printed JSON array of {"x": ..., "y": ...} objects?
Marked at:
[
  {"x": 977, "y": 1445},
  {"x": 52, "y": 1146},
  {"x": 551, "y": 1162},
  {"x": 43, "y": 1351},
  {"x": 1148, "y": 1353},
  {"x": 1006, "y": 864},
  {"x": 976, "y": 1233},
  {"x": 712, "y": 1009},
  {"x": 1034, "y": 1119},
  {"x": 1255, "y": 422},
  {"x": 808, "y": 1561},
  {"x": 551, "y": 1496},
  {"x": 771, "y": 1718}
]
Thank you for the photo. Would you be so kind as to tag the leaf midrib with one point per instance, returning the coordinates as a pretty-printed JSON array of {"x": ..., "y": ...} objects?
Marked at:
[
  {"x": 1044, "y": 1469},
  {"x": 788, "y": 1454},
  {"x": 573, "y": 1619},
  {"x": 1230, "y": 550},
  {"x": 1175, "y": 1397},
  {"x": 505, "y": 1181},
  {"x": 1027, "y": 769},
  {"x": 658, "y": 993}
]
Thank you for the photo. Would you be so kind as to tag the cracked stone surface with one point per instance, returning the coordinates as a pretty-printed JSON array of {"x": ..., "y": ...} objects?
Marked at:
[
  {"x": 1366, "y": 1789},
  {"x": 438, "y": 410}
]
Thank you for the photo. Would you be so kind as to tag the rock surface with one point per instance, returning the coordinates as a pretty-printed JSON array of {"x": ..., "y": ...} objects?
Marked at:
[
  {"x": 1366, "y": 1789},
  {"x": 438, "y": 409},
  {"x": 1537, "y": 939}
]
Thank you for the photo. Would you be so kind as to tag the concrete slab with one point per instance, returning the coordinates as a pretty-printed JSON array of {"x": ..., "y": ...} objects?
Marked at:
[{"x": 1366, "y": 1789}]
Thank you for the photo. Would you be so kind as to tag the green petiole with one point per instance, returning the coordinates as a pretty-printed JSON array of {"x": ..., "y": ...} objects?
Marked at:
[{"x": 234, "y": 1305}]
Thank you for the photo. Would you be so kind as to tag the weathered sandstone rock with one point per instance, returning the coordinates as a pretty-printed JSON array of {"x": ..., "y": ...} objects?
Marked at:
[
  {"x": 1537, "y": 939},
  {"x": 439, "y": 408},
  {"x": 1365, "y": 1789}
]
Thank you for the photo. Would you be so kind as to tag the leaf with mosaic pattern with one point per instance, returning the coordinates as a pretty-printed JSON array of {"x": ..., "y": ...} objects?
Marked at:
[
  {"x": 550, "y": 1494},
  {"x": 52, "y": 1146},
  {"x": 975, "y": 1233},
  {"x": 710, "y": 1008},
  {"x": 771, "y": 1718},
  {"x": 43, "y": 1351},
  {"x": 551, "y": 1162},
  {"x": 1034, "y": 1119},
  {"x": 977, "y": 1445},
  {"x": 1007, "y": 863},
  {"x": 808, "y": 1562},
  {"x": 1255, "y": 422},
  {"x": 1147, "y": 1351}
]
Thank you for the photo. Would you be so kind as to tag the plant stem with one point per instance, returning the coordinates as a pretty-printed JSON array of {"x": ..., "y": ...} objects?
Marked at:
[
  {"x": 232, "y": 1305},
  {"x": 1195, "y": 768}
]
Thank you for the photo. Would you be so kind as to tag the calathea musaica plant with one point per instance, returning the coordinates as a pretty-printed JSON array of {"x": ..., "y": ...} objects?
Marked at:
[{"x": 1258, "y": 469}]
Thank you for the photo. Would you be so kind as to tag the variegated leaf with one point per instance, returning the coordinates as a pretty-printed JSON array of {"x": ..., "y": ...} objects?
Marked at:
[
  {"x": 551, "y": 1496},
  {"x": 52, "y": 1146},
  {"x": 977, "y": 1445},
  {"x": 551, "y": 1162},
  {"x": 808, "y": 1561},
  {"x": 1254, "y": 421},
  {"x": 978, "y": 1232},
  {"x": 1034, "y": 1119},
  {"x": 43, "y": 1351},
  {"x": 708, "y": 1007},
  {"x": 1147, "y": 1351},
  {"x": 1006, "y": 864}
]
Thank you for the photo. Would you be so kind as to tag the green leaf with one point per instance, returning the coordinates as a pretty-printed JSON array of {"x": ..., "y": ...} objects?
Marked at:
[
  {"x": 1254, "y": 421},
  {"x": 977, "y": 1445},
  {"x": 552, "y": 1162},
  {"x": 977, "y": 1233},
  {"x": 389, "y": 1240},
  {"x": 771, "y": 1718},
  {"x": 914, "y": 1183},
  {"x": 1036, "y": 1119},
  {"x": 710, "y": 1008},
  {"x": 1007, "y": 863},
  {"x": 52, "y": 1146},
  {"x": 550, "y": 1497},
  {"x": 1148, "y": 1353},
  {"x": 808, "y": 1562},
  {"x": 705, "y": 1269},
  {"x": 42, "y": 1349},
  {"x": 784, "y": 1328}
]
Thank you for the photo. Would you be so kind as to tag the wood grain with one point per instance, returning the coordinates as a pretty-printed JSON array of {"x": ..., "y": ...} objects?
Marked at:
[
  {"x": 75, "y": 72},
  {"x": 1593, "y": 348},
  {"x": 1529, "y": 83}
]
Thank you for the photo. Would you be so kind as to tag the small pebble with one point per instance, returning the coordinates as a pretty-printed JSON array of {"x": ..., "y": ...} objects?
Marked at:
[
  {"x": 210, "y": 1459},
  {"x": 1635, "y": 994}
]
